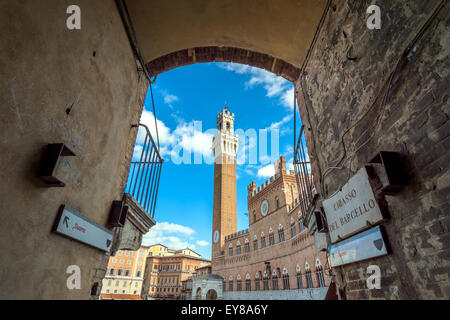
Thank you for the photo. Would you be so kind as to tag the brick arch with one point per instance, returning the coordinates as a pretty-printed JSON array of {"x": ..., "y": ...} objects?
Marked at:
[{"x": 223, "y": 54}]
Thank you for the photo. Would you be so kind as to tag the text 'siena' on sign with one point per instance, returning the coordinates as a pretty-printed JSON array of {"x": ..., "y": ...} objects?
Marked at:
[
  {"x": 72, "y": 224},
  {"x": 352, "y": 209}
]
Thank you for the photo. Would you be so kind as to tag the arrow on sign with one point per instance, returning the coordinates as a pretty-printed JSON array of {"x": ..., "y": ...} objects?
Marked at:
[{"x": 65, "y": 221}]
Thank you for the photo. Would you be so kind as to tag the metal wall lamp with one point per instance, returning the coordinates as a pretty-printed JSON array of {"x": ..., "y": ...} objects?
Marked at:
[{"x": 50, "y": 163}]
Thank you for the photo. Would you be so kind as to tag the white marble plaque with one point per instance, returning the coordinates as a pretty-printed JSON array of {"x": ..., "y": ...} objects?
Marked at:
[{"x": 352, "y": 209}]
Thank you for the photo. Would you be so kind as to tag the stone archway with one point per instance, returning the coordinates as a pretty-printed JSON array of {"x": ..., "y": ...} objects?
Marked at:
[
  {"x": 223, "y": 54},
  {"x": 198, "y": 294},
  {"x": 211, "y": 294}
]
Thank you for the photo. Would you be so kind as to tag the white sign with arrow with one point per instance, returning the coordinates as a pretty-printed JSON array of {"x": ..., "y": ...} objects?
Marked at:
[{"x": 76, "y": 226}]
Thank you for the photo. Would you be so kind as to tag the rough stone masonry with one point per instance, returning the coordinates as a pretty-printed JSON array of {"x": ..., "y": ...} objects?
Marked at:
[{"x": 363, "y": 91}]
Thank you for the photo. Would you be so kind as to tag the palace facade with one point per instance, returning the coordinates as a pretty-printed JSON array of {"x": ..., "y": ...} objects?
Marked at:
[{"x": 275, "y": 258}]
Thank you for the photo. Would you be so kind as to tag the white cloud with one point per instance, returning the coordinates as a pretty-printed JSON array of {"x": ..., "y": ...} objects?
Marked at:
[
  {"x": 274, "y": 85},
  {"x": 235, "y": 67},
  {"x": 202, "y": 243},
  {"x": 290, "y": 164},
  {"x": 164, "y": 134},
  {"x": 172, "y": 235},
  {"x": 277, "y": 125},
  {"x": 187, "y": 135},
  {"x": 287, "y": 98},
  {"x": 266, "y": 171},
  {"x": 168, "y": 228},
  {"x": 169, "y": 98},
  {"x": 191, "y": 137}
]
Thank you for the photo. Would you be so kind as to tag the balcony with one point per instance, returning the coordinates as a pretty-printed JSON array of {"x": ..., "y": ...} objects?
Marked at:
[{"x": 139, "y": 198}]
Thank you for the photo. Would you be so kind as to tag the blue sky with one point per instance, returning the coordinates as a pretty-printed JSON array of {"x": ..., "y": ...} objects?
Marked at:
[{"x": 187, "y": 102}]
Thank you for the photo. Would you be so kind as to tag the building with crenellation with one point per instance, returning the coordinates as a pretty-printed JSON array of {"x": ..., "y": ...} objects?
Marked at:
[{"x": 275, "y": 257}]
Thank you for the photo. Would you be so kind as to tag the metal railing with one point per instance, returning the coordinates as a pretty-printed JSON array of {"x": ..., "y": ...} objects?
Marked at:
[
  {"x": 143, "y": 180},
  {"x": 303, "y": 175},
  {"x": 302, "y": 165}
]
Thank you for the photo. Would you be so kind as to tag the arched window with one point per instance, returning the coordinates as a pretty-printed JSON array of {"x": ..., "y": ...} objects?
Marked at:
[
  {"x": 248, "y": 283},
  {"x": 266, "y": 281},
  {"x": 275, "y": 276},
  {"x": 299, "y": 280},
  {"x": 239, "y": 282},
  {"x": 286, "y": 282},
  {"x": 309, "y": 283},
  {"x": 301, "y": 226},
  {"x": 271, "y": 237},
  {"x": 319, "y": 273},
  {"x": 258, "y": 277},
  {"x": 293, "y": 230},
  {"x": 281, "y": 233}
]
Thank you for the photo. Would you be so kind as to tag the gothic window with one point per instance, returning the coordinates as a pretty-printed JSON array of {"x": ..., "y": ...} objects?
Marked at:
[
  {"x": 257, "y": 287},
  {"x": 271, "y": 239},
  {"x": 301, "y": 226},
  {"x": 275, "y": 283},
  {"x": 293, "y": 231},
  {"x": 111, "y": 272},
  {"x": 247, "y": 247},
  {"x": 320, "y": 278},
  {"x": 309, "y": 282},
  {"x": 281, "y": 235},
  {"x": 127, "y": 272},
  {"x": 266, "y": 284},
  {"x": 238, "y": 250},
  {"x": 239, "y": 285},
  {"x": 230, "y": 285},
  {"x": 248, "y": 285},
  {"x": 119, "y": 272},
  {"x": 286, "y": 282},
  {"x": 228, "y": 126},
  {"x": 263, "y": 242},
  {"x": 299, "y": 281},
  {"x": 255, "y": 245},
  {"x": 230, "y": 251},
  {"x": 224, "y": 286}
]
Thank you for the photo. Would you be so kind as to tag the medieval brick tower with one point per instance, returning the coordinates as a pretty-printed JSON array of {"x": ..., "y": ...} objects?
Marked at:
[{"x": 225, "y": 145}]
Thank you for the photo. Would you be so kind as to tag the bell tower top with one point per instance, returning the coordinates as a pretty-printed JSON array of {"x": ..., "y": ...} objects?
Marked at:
[
  {"x": 225, "y": 142},
  {"x": 225, "y": 121}
]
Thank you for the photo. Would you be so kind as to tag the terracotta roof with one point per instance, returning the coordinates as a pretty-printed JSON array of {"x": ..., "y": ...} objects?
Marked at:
[{"x": 112, "y": 296}]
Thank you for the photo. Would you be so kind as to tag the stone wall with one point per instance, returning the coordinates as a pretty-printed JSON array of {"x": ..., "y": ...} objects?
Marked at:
[
  {"x": 78, "y": 87},
  {"x": 298, "y": 294},
  {"x": 363, "y": 91}
]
